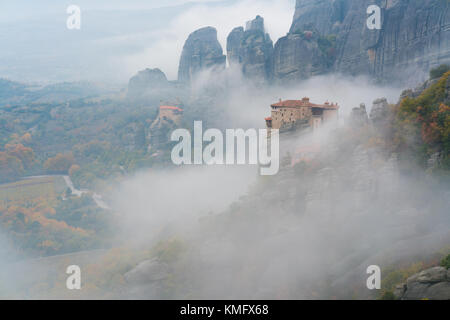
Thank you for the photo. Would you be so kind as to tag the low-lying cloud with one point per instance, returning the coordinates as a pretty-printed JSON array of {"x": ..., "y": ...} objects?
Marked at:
[{"x": 306, "y": 235}]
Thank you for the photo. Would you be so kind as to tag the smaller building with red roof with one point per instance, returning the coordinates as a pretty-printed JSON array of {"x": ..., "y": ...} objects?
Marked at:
[{"x": 170, "y": 113}]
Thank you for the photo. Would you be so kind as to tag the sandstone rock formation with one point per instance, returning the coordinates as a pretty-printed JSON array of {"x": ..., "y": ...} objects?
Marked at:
[
  {"x": 379, "y": 111},
  {"x": 359, "y": 117},
  {"x": 251, "y": 50},
  {"x": 433, "y": 284},
  {"x": 299, "y": 56},
  {"x": 321, "y": 14},
  {"x": 234, "y": 40},
  {"x": 414, "y": 37},
  {"x": 201, "y": 51},
  {"x": 256, "y": 24},
  {"x": 146, "y": 82}
]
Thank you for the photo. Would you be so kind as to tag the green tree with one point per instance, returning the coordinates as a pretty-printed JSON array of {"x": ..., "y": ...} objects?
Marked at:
[{"x": 446, "y": 262}]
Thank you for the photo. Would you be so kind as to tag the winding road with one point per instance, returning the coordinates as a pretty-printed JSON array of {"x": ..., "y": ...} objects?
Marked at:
[
  {"x": 76, "y": 192},
  {"x": 95, "y": 196}
]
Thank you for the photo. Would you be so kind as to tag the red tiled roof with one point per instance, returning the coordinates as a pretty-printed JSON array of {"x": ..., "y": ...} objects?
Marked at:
[
  {"x": 289, "y": 104},
  {"x": 302, "y": 103},
  {"x": 268, "y": 119},
  {"x": 170, "y": 108}
]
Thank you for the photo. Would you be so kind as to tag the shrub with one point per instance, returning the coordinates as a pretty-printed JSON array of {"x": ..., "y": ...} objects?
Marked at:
[
  {"x": 426, "y": 120},
  {"x": 446, "y": 262}
]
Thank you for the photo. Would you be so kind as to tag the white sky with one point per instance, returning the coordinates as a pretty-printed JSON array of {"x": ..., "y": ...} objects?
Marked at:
[
  {"x": 117, "y": 37},
  {"x": 166, "y": 51}
]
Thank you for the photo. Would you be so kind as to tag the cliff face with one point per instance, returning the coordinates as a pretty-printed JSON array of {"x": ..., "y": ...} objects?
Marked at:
[
  {"x": 416, "y": 34},
  {"x": 251, "y": 50},
  {"x": 414, "y": 37},
  {"x": 201, "y": 51},
  {"x": 324, "y": 15},
  {"x": 299, "y": 56},
  {"x": 234, "y": 40}
]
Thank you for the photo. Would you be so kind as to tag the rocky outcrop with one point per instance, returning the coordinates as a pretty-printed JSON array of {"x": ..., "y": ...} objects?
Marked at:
[
  {"x": 256, "y": 24},
  {"x": 201, "y": 51},
  {"x": 379, "y": 111},
  {"x": 234, "y": 40},
  {"x": 146, "y": 83},
  {"x": 416, "y": 92},
  {"x": 324, "y": 15},
  {"x": 432, "y": 284},
  {"x": 298, "y": 56},
  {"x": 257, "y": 51},
  {"x": 251, "y": 50},
  {"x": 359, "y": 117},
  {"x": 414, "y": 37}
]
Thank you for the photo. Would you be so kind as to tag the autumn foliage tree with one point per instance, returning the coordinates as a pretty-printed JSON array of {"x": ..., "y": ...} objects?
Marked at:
[
  {"x": 15, "y": 160},
  {"x": 25, "y": 154},
  {"x": 10, "y": 167},
  {"x": 26, "y": 138},
  {"x": 425, "y": 121},
  {"x": 74, "y": 169},
  {"x": 60, "y": 164}
]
